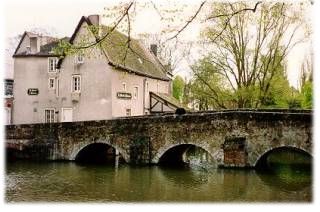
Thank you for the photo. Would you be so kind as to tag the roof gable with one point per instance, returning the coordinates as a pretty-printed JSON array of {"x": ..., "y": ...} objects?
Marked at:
[
  {"x": 47, "y": 44},
  {"x": 20, "y": 42},
  {"x": 82, "y": 20},
  {"x": 138, "y": 60}
]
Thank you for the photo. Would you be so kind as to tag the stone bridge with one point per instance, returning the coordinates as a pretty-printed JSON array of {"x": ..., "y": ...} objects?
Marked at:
[{"x": 234, "y": 138}]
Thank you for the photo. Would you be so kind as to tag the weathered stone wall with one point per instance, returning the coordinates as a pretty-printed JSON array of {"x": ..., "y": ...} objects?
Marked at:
[{"x": 145, "y": 139}]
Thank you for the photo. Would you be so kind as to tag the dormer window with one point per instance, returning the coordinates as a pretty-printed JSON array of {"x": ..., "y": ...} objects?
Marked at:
[
  {"x": 28, "y": 49},
  {"x": 52, "y": 64},
  {"x": 79, "y": 59}
]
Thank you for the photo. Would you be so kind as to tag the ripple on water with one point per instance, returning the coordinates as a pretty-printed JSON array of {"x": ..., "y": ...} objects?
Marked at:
[{"x": 68, "y": 182}]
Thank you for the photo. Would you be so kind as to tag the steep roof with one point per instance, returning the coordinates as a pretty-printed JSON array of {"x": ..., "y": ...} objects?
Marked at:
[
  {"x": 49, "y": 47},
  {"x": 136, "y": 60},
  {"x": 45, "y": 50}
]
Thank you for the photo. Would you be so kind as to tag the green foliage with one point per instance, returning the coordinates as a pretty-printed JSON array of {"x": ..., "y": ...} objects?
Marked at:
[
  {"x": 209, "y": 87},
  {"x": 246, "y": 64},
  {"x": 280, "y": 92},
  {"x": 294, "y": 103},
  {"x": 306, "y": 95},
  {"x": 178, "y": 87}
]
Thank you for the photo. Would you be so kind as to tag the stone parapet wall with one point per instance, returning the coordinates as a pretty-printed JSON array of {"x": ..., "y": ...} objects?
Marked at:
[{"x": 144, "y": 139}]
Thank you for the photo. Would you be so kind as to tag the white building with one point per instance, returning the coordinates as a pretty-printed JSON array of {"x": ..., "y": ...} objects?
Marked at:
[
  {"x": 101, "y": 83},
  {"x": 8, "y": 101}
]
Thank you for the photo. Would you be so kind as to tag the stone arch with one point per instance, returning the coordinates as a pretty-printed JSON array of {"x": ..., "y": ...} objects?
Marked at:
[
  {"x": 161, "y": 151},
  {"x": 268, "y": 150},
  {"x": 75, "y": 151}
]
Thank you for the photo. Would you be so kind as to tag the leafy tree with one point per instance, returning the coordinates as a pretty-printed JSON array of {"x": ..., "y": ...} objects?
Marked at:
[
  {"x": 306, "y": 82},
  {"x": 178, "y": 87},
  {"x": 279, "y": 93},
  {"x": 248, "y": 50},
  {"x": 209, "y": 87},
  {"x": 306, "y": 92}
]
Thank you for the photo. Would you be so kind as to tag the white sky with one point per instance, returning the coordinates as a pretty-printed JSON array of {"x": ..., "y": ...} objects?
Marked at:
[{"x": 60, "y": 18}]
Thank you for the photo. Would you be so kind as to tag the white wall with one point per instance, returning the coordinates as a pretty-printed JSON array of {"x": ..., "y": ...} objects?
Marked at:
[
  {"x": 31, "y": 72},
  {"x": 99, "y": 86},
  {"x": 95, "y": 96},
  {"x": 136, "y": 105}
]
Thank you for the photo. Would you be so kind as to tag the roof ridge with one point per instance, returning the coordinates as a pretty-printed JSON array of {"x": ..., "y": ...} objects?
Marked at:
[{"x": 112, "y": 47}]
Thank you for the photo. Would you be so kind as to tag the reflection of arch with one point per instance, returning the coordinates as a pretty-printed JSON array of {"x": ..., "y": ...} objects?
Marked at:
[
  {"x": 184, "y": 175},
  {"x": 266, "y": 153},
  {"x": 78, "y": 148},
  {"x": 11, "y": 153},
  {"x": 286, "y": 183},
  {"x": 166, "y": 148}
]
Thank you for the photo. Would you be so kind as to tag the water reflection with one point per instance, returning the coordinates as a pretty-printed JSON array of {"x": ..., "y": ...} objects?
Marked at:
[
  {"x": 187, "y": 155},
  {"x": 287, "y": 178},
  {"x": 184, "y": 175},
  {"x": 287, "y": 168},
  {"x": 71, "y": 182}
]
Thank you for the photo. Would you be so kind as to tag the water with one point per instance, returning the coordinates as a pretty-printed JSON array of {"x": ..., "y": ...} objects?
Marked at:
[{"x": 71, "y": 182}]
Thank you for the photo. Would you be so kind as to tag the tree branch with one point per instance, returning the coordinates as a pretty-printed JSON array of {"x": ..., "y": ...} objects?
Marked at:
[
  {"x": 236, "y": 12},
  {"x": 99, "y": 40},
  {"x": 188, "y": 22}
]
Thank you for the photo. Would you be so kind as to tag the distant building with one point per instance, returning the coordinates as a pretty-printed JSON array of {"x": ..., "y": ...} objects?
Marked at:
[
  {"x": 100, "y": 83},
  {"x": 194, "y": 105},
  {"x": 8, "y": 100}
]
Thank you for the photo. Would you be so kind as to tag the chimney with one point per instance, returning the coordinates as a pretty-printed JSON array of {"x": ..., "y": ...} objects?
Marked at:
[
  {"x": 154, "y": 49},
  {"x": 94, "y": 19},
  {"x": 34, "y": 46}
]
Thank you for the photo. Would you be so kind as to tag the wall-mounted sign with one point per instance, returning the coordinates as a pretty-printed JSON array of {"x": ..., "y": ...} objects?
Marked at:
[
  {"x": 124, "y": 95},
  {"x": 33, "y": 91}
]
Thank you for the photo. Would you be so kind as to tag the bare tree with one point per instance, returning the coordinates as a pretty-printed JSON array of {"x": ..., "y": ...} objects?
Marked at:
[
  {"x": 170, "y": 53},
  {"x": 306, "y": 71},
  {"x": 249, "y": 48},
  {"x": 123, "y": 14}
]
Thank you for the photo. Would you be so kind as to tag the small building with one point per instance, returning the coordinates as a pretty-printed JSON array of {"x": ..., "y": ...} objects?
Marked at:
[
  {"x": 103, "y": 82},
  {"x": 8, "y": 100}
]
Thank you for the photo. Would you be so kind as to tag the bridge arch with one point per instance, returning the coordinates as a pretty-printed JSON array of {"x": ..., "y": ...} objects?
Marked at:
[
  {"x": 77, "y": 149},
  {"x": 268, "y": 151},
  {"x": 163, "y": 150}
]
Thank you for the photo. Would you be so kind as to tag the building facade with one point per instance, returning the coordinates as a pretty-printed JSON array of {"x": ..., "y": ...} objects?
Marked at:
[
  {"x": 102, "y": 82},
  {"x": 8, "y": 101}
]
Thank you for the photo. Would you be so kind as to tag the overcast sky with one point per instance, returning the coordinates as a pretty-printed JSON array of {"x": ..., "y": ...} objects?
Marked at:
[{"x": 60, "y": 18}]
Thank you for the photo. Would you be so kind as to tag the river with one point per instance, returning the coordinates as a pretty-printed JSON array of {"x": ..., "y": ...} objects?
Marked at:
[{"x": 70, "y": 182}]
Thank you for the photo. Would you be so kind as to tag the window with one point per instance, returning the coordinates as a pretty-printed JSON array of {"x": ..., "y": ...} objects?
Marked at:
[
  {"x": 79, "y": 59},
  {"x": 76, "y": 83},
  {"x": 147, "y": 86},
  {"x": 128, "y": 112},
  {"x": 49, "y": 115},
  {"x": 52, "y": 64},
  {"x": 51, "y": 83},
  {"x": 124, "y": 86},
  {"x": 135, "y": 92},
  {"x": 28, "y": 48}
]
